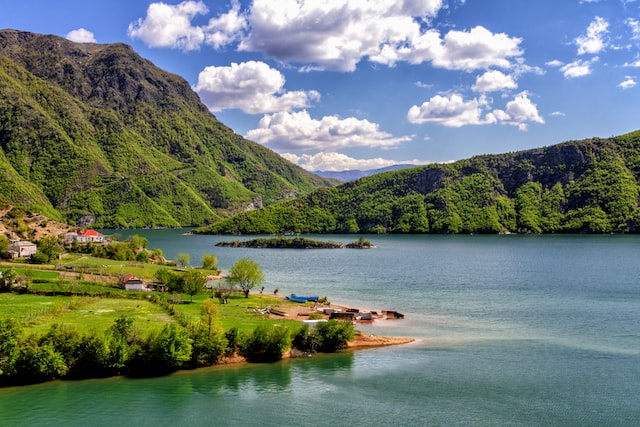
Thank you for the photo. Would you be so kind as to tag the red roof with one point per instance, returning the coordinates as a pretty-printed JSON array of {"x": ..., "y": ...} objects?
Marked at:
[
  {"x": 128, "y": 277},
  {"x": 91, "y": 233}
]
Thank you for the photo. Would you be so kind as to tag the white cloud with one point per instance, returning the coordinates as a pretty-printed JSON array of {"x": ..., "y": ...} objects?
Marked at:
[
  {"x": 477, "y": 49},
  {"x": 81, "y": 35},
  {"x": 336, "y": 162},
  {"x": 226, "y": 28},
  {"x": 519, "y": 112},
  {"x": 634, "y": 64},
  {"x": 298, "y": 131},
  {"x": 628, "y": 83},
  {"x": 577, "y": 68},
  {"x": 634, "y": 25},
  {"x": 334, "y": 34},
  {"x": 252, "y": 87},
  {"x": 454, "y": 111},
  {"x": 555, "y": 63},
  {"x": 558, "y": 114},
  {"x": 450, "y": 111},
  {"x": 170, "y": 26},
  {"x": 330, "y": 35},
  {"x": 593, "y": 42},
  {"x": 492, "y": 81}
]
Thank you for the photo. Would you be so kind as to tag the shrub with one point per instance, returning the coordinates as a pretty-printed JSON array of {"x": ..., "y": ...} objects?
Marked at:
[{"x": 267, "y": 343}]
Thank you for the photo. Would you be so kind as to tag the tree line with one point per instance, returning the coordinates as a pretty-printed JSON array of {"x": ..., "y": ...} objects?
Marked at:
[
  {"x": 64, "y": 352},
  {"x": 585, "y": 186}
]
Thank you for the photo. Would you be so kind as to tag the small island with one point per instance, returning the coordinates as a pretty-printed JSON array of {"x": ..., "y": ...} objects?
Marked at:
[{"x": 297, "y": 242}]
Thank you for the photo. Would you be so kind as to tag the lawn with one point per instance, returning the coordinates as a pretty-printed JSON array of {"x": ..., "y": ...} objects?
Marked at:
[
  {"x": 25, "y": 307},
  {"x": 241, "y": 313},
  {"x": 99, "y": 313}
]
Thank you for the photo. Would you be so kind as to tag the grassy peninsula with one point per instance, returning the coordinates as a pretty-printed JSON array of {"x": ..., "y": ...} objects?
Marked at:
[{"x": 75, "y": 318}]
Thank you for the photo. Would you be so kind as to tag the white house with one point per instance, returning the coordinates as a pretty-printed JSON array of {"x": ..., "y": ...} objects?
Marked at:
[
  {"x": 85, "y": 236},
  {"x": 21, "y": 249}
]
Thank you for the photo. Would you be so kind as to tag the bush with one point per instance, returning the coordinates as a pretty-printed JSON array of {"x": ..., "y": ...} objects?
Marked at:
[
  {"x": 326, "y": 337},
  {"x": 267, "y": 343}
]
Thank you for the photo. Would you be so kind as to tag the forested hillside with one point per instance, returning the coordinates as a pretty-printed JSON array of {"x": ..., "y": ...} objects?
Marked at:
[
  {"x": 95, "y": 134},
  {"x": 577, "y": 186}
]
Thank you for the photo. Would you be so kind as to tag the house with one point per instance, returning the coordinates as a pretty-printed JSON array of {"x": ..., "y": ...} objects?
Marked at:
[
  {"x": 21, "y": 249},
  {"x": 85, "y": 236},
  {"x": 129, "y": 282}
]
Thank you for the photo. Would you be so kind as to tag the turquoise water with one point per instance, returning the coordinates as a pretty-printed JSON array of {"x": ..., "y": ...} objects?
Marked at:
[{"x": 511, "y": 330}]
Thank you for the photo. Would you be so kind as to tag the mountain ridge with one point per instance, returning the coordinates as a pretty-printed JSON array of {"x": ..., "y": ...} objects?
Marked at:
[
  {"x": 573, "y": 187},
  {"x": 97, "y": 133}
]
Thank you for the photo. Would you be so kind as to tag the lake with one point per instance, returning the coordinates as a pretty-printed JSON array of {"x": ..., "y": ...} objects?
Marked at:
[{"x": 511, "y": 330}]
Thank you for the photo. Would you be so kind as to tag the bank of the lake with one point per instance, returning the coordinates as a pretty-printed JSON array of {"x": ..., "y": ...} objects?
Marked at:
[{"x": 511, "y": 330}]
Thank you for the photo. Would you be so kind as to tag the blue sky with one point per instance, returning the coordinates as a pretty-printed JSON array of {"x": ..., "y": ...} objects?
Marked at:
[{"x": 361, "y": 84}]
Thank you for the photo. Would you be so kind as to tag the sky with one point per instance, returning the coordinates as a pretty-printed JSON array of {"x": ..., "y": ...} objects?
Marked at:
[{"x": 362, "y": 84}]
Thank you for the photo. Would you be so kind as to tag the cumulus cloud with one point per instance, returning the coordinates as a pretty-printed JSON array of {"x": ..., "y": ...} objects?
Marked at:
[
  {"x": 298, "y": 131},
  {"x": 331, "y": 35},
  {"x": 454, "y": 111},
  {"x": 170, "y": 26},
  {"x": 81, "y": 35},
  {"x": 594, "y": 41},
  {"x": 578, "y": 68},
  {"x": 226, "y": 28},
  {"x": 477, "y": 49},
  {"x": 519, "y": 112},
  {"x": 470, "y": 50},
  {"x": 252, "y": 87},
  {"x": 492, "y": 81},
  {"x": 336, "y": 162},
  {"x": 628, "y": 83},
  {"x": 450, "y": 111}
]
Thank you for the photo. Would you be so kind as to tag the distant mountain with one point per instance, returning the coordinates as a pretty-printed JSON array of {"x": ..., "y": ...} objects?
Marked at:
[
  {"x": 352, "y": 175},
  {"x": 95, "y": 134},
  {"x": 588, "y": 186}
]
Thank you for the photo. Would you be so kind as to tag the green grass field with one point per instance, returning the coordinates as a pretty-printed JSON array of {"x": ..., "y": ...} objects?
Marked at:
[
  {"x": 100, "y": 313},
  {"x": 102, "y": 303}
]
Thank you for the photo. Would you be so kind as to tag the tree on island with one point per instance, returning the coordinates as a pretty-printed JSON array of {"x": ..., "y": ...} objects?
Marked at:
[{"x": 246, "y": 274}]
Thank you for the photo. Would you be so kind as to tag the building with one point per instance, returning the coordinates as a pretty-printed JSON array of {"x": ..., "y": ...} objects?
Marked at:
[
  {"x": 21, "y": 249},
  {"x": 85, "y": 236},
  {"x": 129, "y": 282}
]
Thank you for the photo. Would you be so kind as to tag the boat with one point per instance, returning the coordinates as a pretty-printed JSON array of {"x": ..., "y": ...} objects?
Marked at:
[{"x": 301, "y": 299}]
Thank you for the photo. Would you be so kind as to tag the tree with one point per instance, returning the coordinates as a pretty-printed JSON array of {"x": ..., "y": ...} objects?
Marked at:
[
  {"x": 210, "y": 262},
  {"x": 163, "y": 275},
  {"x": 8, "y": 278},
  {"x": 137, "y": 242},
  {"x": 246, "y": 274},
  {"x": 50, "y": 246},
  {"x": 4, "y": 244},
  {"x": 183, "y": 259},
  {"x": 170, "y": 348},
  {"x": 209, "y": 314},
  {"x": 193, "y": 282}
]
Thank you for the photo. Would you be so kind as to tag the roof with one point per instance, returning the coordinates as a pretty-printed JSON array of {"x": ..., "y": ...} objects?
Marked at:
[
  {"x": 22, "y": 243},
  {"x": 128, "y": 277},
  {"x": 91, "y": 233}
]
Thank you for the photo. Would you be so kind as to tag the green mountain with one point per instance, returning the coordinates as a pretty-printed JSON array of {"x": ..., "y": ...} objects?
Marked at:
[
  {"x": 95, "y": 134},
  {"x": 577, "y": 186}
]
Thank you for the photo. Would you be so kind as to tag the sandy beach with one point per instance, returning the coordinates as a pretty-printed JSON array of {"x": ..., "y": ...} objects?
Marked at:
[{"x": 359, "y": 341}]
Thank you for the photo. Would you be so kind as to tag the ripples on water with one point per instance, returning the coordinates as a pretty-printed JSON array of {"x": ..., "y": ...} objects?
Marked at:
[{"x": 513, "y": 330}]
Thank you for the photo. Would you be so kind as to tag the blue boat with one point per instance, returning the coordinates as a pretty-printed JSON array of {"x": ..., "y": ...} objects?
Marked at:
[{"x": 302, "y": 299}]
